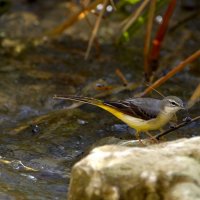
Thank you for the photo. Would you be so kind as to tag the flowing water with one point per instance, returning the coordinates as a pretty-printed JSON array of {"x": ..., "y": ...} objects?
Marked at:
[{"x": 40, "y": 139}]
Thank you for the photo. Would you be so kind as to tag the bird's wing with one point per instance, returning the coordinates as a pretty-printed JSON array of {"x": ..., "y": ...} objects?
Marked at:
[{"x": 144, "y": 108}]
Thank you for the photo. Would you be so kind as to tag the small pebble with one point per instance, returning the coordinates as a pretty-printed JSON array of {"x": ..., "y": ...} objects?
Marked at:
[
  {"x": 187, "y": 119},
  {"x": 82, "y": 122},
  {"x": 35, "y": 128}
]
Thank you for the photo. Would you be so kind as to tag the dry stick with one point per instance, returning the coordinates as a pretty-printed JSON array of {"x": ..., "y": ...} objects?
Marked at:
[
  {"x": 178, "y": 68},
  {"x": 155, "y": 51},
  {"x": 96, "y": 42},
  {"x": 11, "y": 162},
  {"x": 96, "y": 28},
  {"x": 73, "y": 19},
  {"x": 158, "y": 136},
  {"x": 156, "y": 91},
  {"x": 135, "y": 15},
  {"x": 121, "y": 76},
  {"x": 147, "y": 67},
  {"x": 113, "y": 4},
  {"x": 85, "y": 3},
  {"x": 195, "y": 97}
]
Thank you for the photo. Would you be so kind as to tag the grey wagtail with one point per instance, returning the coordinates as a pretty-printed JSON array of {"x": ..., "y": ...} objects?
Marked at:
[{"x": 142, "y": 114}]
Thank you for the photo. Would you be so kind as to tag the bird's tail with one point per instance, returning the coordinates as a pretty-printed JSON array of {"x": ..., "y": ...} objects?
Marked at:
[
  {"x": 87, "y": 100},
  {"x": 104, "y": 105}
]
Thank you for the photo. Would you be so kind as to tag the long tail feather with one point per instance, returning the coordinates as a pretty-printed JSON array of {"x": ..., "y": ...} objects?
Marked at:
[
  {"x": 80, "y": 99},
  {"x": 104, "y": 105}
]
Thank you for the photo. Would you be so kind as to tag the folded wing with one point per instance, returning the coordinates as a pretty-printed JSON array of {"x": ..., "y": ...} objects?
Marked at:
[{"x": 143, "y": 108}]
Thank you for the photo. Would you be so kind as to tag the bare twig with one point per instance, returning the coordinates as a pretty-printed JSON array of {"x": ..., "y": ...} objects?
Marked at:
[
  {"x": 195, "y": 97},
  {"x": 147, "y": 67},
  {"x": 18, "y": 162},
  {"x": 121, "y": 76},
  {"x": 73, "y": 19},
  {"x": 135, "y": 15},
  {"x": 158, "y": 136},
  {"x": 175, "y": 70},
  {"x": 96, "y": 42},
  {"x": 113, "y": 4},
  {"x": 157, "y": 42},
  {"x": 95, "y": 29}
]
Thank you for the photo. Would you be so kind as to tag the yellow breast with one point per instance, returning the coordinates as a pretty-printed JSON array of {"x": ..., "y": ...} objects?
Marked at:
[{"x": 140, "y": 124}]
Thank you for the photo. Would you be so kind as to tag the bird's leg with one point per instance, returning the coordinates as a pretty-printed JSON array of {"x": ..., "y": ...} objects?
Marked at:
[
  {"x": 161, "y": 131},
  {"x": 152, "y": 137},
  {"x": 137, "y": 135}
]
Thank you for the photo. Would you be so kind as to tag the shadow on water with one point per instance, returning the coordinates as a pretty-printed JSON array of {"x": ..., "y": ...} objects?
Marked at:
[{"x": 39, "y": 140}]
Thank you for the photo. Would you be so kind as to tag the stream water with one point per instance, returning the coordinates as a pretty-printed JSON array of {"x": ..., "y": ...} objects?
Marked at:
[{"x": 40, "y": 139}]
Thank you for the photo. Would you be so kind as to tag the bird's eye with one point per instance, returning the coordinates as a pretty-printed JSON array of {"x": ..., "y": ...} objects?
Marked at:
[{"x": 173, "y": 103}]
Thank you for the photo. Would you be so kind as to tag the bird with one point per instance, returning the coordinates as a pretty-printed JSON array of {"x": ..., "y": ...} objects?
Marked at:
[{"x": 142, "y": 114}]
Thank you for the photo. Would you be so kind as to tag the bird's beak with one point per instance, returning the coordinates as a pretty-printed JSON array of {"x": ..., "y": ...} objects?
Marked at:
[{"x": 182, "y": 107}]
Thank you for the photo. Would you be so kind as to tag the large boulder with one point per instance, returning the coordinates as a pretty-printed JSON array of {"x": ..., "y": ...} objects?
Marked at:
[{"x": 169, "y": 171}]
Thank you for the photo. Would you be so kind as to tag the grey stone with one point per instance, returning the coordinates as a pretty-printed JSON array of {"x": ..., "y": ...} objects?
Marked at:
[{"x": 169, "y": 171}]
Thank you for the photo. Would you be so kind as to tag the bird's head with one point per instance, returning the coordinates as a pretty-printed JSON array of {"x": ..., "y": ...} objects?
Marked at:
[{"x": 171, "y": 104}]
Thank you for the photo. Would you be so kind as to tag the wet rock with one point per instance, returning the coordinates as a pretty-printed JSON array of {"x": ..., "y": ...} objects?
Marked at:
[
  {"x": 6, "y": 196},
  {"x": 121, "y": 142},
  {"x": 24, "y": 24},
  {"x": 163, "y": 171}
]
